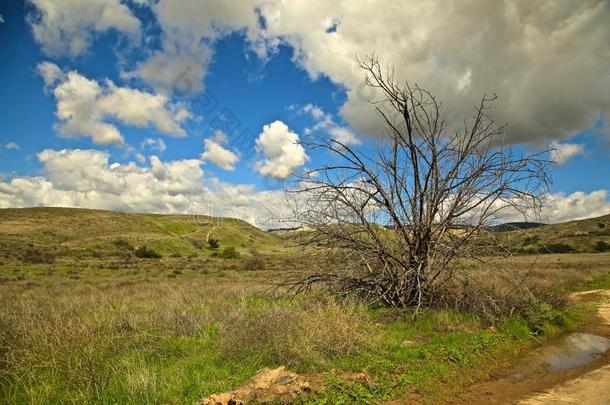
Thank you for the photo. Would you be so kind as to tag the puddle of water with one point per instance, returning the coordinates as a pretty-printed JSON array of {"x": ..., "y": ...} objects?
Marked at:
[{"x": 576, "y": 349}]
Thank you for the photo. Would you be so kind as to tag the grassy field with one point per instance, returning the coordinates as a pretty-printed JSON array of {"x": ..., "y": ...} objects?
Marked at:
[{"x": 91, "y": 323}]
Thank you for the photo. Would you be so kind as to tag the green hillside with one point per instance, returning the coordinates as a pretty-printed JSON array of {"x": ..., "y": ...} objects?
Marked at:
[
  {"x": 83, "y": 233},
  {"x": 585, "y": 236}
]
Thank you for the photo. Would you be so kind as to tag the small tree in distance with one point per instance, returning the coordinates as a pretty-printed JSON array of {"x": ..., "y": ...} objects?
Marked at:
[
  {"x": 395, "y": 219},
  {"x": 213, "y": 243}
]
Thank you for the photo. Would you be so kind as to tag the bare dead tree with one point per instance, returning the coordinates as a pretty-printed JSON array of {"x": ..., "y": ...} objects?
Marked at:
[{"x": 394, "y": 221}]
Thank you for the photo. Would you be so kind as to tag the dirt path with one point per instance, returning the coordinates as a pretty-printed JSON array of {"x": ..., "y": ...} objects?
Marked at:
[
  {"x": 591, "y": 388},
  {"x": 587, "y": 383}
]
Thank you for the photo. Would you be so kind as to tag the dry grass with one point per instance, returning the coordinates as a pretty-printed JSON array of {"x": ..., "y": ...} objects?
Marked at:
[
  {"x": 158, "y": 335},
  {"x": 303, "y": 335},
  {"x": 144, "y": 337}
]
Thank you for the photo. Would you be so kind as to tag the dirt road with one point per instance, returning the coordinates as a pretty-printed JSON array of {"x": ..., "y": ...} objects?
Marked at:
[
  {"x": 577, "y": 369},
  {"x": 591, "y": 388}
]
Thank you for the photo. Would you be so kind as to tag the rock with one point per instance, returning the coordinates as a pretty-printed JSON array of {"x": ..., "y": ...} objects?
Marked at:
[{"x": 266, "y": 386}]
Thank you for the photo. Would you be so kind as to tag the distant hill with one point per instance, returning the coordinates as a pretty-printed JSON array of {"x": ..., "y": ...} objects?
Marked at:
[
  {"x": 582, "y": 236},
  {"x": 513, "y": 226},
  {"x": 95, "y": 233}
]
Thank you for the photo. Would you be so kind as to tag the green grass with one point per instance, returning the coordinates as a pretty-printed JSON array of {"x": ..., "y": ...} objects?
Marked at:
[
  {"x": 437, "y": 365},
  {"x": 599, "y": 283}
]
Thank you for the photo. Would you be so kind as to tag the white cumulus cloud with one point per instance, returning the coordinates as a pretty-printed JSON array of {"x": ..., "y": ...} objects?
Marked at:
[
  {"x": 215, "y": 152},
  {"x": 577, "y": 205},
  {"x": 67, "y": 27},
  {"x": 562, "y": 152},
  {"x": 88, "y": 179},
  {"x": 281, "y": 150},
  {"x": 50, "y": 73},
  {"x": 84, "y": 108}
]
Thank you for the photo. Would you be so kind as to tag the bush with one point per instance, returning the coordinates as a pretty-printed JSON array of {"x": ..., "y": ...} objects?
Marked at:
[
  {"x": 601, "y": 246},
  {"x": 254, "y": 262},
  {"x": 145, "y": 252},
  {"x": 213, "y": 243},
  {"x": 531, "y": 239},
  {"x": 122, "y": 244},
  {"x": 228, "y": 253},
  {"x": 557, "y": 248},
  {"x": 34, "y": 256}
]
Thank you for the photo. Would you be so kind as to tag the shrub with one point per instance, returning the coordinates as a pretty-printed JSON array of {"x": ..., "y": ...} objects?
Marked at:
[
  {"x": 123, "y": 244},
  {"x": 254, "y": 262},
  {"x": 213, "y": 243},
  {"x": 541, "y": 316},
  {"x": 531, "y": 239},
  {"x": 601, "y": 225},
  {"x": 228, "y": 253},
  {"x": 557, "y": 248},
  {"x": 145, "y": 252},
  {"x": 33, "y": 255},
  {"x": 601, "y": 246}
]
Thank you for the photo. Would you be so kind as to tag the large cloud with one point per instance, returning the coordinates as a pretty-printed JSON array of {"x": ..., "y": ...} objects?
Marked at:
[
  {"x": 87, "y": 178},
  {"x": 281, "y": 151},
  {"x": 68, "y": 26},
  {"x": 547, "y": 60},
  {"x": 84, "y": 107}
]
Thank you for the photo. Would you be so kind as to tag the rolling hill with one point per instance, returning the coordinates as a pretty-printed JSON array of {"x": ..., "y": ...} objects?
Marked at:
[
  {"x": 582, "y": 236},
  {"x": 82, "y": 233}
]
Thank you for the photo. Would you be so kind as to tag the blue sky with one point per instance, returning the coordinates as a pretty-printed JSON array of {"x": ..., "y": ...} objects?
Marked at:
[{"x": 267, "y": 76}]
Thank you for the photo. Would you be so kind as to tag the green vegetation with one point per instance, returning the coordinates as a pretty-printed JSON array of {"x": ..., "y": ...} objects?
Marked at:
[
  {"x": 601, "y": 246},
  {"x": 115, "y": 328},
  {"x": 145, "y": 252},
  {"x": 227, "y": 253}
]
